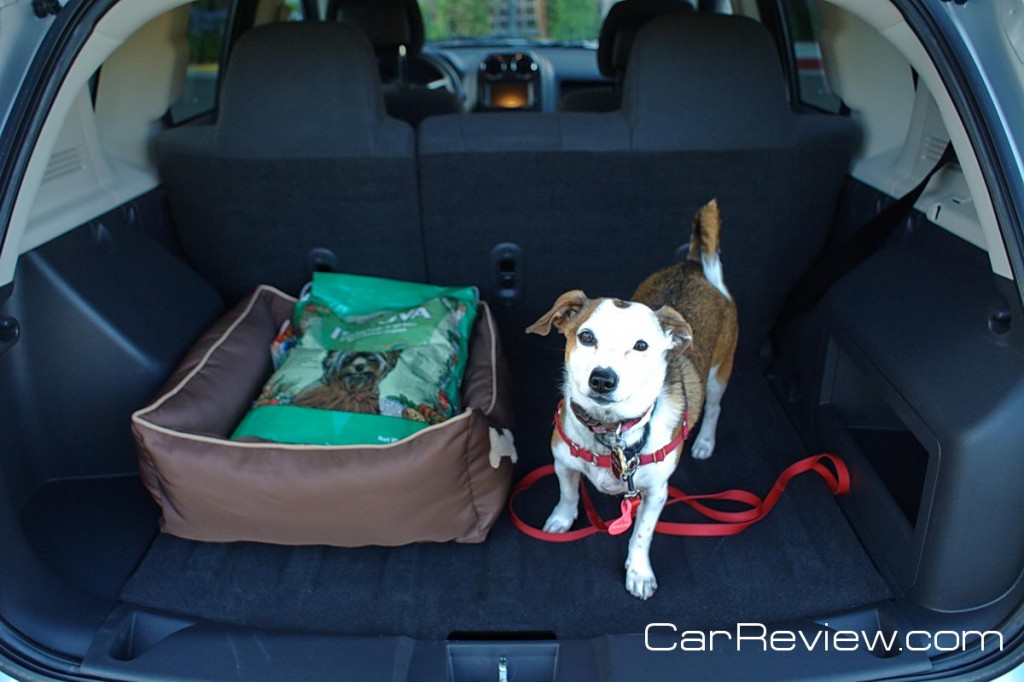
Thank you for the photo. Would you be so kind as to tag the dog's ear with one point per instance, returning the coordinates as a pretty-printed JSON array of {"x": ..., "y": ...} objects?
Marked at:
[
  {"x": 676, "y": 325},
  {"x": 565, "y": 309},
  {"x": 333, "y": 360},
  {"x": 390, "y": 360}
]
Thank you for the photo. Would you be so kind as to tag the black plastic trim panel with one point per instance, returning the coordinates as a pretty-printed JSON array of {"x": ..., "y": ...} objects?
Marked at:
[{"x": 138, "y": 644}]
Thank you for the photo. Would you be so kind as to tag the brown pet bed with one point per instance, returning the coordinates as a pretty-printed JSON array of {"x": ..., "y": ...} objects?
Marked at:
[{"x": 437, "y": 485}]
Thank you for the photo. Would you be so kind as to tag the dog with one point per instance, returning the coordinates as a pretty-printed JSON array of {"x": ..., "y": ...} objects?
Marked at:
[
  {"x": 350, "y": 383},
  {"x": 636, "y": 375}
]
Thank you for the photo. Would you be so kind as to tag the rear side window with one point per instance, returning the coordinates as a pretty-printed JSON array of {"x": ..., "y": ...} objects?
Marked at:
[
  {"x": 208, "y": 30},
  {"x": 804, "y": 28}
]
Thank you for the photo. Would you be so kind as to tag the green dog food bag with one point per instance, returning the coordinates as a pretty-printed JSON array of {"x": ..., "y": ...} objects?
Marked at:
[{"x": 374, "y": 361}]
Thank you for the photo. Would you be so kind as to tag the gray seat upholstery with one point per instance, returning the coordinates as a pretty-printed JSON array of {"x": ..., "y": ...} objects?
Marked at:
[
  {"x": 391, "y": 24},
  {"x": 301, "y": 157},
  {"x": 614, "y": 44},
  {"x": 597, "y": 200},
  {"x": 708, "y": 81}
]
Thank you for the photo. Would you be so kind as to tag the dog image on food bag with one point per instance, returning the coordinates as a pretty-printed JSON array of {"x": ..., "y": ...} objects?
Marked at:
[
  {"x": 350, "y": 383},
  {"x": 637, "y": 374}
]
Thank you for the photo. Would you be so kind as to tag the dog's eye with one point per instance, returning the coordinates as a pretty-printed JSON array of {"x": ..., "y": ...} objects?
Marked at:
[
  {"x": 640, "y": 345},
  {"x": 587, "y": 338}
]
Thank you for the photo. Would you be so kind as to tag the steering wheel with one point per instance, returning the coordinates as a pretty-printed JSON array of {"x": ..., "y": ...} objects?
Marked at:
[{"x": 436, "y": 73}]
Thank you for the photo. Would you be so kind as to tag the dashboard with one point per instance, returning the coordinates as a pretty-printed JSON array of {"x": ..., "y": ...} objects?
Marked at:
[
  {"x": 508, "y": 81},
  {"x": 518, "y": 77}
]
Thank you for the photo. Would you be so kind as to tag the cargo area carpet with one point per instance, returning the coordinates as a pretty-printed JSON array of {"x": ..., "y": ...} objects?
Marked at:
[{"x": 803, "y": 560}]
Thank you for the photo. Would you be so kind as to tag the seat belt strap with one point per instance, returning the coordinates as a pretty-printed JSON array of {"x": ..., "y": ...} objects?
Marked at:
[{"x": 840, "y": 258}]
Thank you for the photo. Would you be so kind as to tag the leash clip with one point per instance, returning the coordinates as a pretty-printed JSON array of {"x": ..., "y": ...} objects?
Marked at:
[
  {"x": 628, "y": 466},
  {"x": 624, "y": 467}
]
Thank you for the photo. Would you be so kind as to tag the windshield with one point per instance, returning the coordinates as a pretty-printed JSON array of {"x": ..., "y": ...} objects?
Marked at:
[{"x": 559, "y": 21}]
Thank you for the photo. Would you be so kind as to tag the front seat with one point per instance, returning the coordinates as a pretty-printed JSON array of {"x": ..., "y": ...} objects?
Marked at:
[
  {"x": 395, "y": 28},
  {"x": 614, "y": 44}
]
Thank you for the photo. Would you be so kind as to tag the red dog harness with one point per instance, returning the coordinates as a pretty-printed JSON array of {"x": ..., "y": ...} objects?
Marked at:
[
  {"x": 608, "y": 461},
  {"x": 722, "y": 522}
]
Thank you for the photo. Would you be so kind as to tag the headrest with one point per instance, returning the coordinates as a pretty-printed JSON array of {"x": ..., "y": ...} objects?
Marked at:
[
  {"x": 300, "y": 89},
  {"x": 387, "y": 23},
  {"x": 706, "y": 81},
  {"x": 619, "y": 29}
]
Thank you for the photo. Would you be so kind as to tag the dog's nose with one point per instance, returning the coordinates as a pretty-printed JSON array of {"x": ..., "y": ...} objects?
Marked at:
[{"x": 603, "y": 380}]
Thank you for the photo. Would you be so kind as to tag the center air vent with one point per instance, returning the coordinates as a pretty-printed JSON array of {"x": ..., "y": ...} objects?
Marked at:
[
  {"x": 493, "y": 66},
  {"x": 506, "y": 66},
  {"x": 522, "y": 66}
]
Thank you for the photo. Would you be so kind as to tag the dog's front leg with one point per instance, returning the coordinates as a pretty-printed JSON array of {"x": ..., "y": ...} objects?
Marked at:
[
  {"x": 640, "y": 581},
  {"x": 564, "y": 513}
]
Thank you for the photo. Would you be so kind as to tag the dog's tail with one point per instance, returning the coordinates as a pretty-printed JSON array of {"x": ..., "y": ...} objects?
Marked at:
[
  {"x": 705, "y": 244},
  {"x": 707, "y": 226}
]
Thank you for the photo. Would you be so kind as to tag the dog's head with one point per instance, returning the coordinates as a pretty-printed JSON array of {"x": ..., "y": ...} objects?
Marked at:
[
  {"x": 616, "y": 352},
  {"x": 358, "y": 371}
]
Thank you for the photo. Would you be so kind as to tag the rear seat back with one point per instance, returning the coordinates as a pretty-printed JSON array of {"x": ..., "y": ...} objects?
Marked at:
[
  {"x": 593, "y": 200},
  {"x": 302, "y": 157}
]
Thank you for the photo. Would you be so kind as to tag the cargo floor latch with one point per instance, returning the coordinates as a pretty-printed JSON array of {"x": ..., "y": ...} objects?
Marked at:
[{"x": 10, "y": 330}]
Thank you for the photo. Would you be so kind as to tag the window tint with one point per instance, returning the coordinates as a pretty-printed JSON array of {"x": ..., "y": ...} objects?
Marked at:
[
  {"x": 804, "y": 29},
  {"x": 535, "y": 20},
  {"x": 207, "y": 28},
  {"x": 274, "y": 11},
  {"x": 207, "y": 31}
]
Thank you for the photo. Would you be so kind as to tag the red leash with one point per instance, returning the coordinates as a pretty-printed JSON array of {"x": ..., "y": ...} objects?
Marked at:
[{"x": 722, "y": 522}]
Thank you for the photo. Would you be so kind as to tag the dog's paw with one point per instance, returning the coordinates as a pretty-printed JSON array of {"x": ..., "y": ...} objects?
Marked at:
[
  {"x": 703, "y": 447},
  {"x": 561, "y": 519},
  {"x": 640, "y": 584}
]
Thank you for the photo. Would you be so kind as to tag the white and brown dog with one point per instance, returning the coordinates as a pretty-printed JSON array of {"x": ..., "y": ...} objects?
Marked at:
[{"x": 635, "y": 372}]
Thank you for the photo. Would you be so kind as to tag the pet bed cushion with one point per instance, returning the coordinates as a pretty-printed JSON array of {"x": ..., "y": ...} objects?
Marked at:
[{"x": 436, "y": 485}]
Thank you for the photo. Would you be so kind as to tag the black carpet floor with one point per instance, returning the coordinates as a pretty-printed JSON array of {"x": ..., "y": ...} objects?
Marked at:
[{"x": 802, "y": 561}]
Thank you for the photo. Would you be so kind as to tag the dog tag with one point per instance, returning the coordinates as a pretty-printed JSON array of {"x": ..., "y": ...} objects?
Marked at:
[
  {"x": 618, "y": 462},
  {"x": 622, "y": 524},
  {"x": 624, "y": 467}
]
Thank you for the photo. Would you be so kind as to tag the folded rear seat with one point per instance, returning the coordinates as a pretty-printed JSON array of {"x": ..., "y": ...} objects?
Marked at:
[
  {"x": 597, "y": 200},
  {"x": 302, "y": 157}
]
